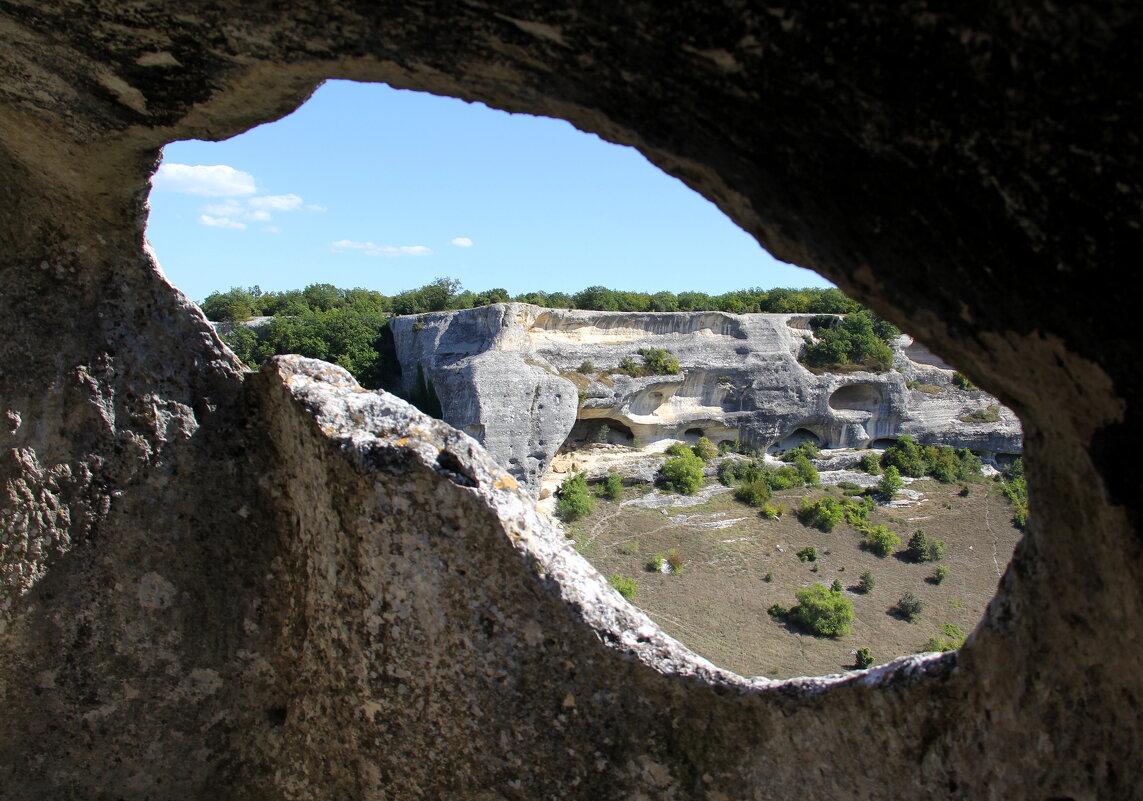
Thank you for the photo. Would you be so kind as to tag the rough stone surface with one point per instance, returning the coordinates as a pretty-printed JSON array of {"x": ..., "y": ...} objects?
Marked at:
[
  {"x": 509, "y": 375},
  {"x": 220, "y": 588}
]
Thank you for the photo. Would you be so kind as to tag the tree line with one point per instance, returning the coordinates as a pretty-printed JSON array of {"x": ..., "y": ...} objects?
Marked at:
[
  {"x": 345, "y": 326},
  {"x": 240, "y": 304}
]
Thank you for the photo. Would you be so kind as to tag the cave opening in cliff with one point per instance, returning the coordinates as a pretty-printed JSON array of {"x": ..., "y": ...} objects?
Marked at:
[{"x": 318, "y": 268}]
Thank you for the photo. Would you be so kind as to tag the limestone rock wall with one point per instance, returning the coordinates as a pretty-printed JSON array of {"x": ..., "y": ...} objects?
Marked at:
[
  {"x": 510, "y": 375},
  {"x": 278, "y": 587}
]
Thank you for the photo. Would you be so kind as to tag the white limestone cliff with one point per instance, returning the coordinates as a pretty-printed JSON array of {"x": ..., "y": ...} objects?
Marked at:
[{"x": 510, "y": 375}]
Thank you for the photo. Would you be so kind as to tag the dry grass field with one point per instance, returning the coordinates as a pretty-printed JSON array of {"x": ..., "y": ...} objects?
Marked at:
[{"x": 737, "y": 564}]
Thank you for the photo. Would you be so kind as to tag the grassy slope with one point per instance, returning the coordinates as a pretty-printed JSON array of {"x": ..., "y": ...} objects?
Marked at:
[{"x": 717, "y": 606}]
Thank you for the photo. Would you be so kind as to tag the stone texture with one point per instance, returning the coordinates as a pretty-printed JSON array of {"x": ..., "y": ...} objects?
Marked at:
[
  {"x": 209, "y": 595},
  {"x": 509, "y": 375}
]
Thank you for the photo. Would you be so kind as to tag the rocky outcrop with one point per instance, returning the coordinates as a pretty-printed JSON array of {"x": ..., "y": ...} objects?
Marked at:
[
  {"x": 219, "y": 588},
  {"x": 526, "y": 381}
]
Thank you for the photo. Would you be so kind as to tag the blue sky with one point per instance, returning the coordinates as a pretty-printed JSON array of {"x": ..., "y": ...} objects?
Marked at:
[{"x": 386, "y": 189}]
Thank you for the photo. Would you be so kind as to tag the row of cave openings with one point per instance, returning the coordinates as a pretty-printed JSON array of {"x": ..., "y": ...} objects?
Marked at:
[{"x": 611, "y": 431}]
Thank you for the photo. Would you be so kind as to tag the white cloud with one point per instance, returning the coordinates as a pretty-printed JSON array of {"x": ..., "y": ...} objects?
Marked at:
[
  {"x": 315, "y": 207},
  {"x": 276, "y": 202},
  {"x": 260, "y": 216},
  {"x": 272, "y": 229},
  {"x": 217, "y": 180},
  {"x": 229, "y": 208},
  {"x": 371, "y": 249},
  {"x": 462, "y": 242},
  {"x": 221, "y": 222}
]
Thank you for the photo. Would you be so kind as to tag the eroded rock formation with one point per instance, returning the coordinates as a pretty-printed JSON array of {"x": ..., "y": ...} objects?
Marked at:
[
  {"x": 512, "y": 376},
  {"x": 218, "y": 586}
]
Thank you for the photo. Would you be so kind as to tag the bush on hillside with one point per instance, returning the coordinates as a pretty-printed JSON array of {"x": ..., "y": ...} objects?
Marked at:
[
  {"x": 909, "y": 606},
  {"x": 573, "y": 500},
  {"x": 705, "y": 449},
  {"x": 683, "y": 474},
  {"x": 822, "y": 611},
  {"x": 824, "y": 513},
  {"x": 881, "y": 541}
]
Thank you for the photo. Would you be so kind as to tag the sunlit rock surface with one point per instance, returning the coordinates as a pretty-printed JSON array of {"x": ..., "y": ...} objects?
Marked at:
[{"x": 513, "y": 376}]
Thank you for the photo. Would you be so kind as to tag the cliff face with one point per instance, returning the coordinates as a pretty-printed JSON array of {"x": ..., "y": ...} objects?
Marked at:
[{"x": 511, "y": 376}]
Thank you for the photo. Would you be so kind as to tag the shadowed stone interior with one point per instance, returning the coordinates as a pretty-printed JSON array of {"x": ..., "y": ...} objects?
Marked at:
[{"x": 218, "y": 585}]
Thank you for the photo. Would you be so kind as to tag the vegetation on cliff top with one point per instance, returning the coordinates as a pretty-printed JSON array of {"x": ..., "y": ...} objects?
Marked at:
[{"x": 344, "y": 326}]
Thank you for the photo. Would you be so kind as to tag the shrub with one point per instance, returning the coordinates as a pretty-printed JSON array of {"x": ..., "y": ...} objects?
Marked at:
[
  {"x": 756, "y": 493},
  {"x": 918, "y": 547},
  {"x": 857, "y": 512},
  {"x": 574, "y": 501},
  {"x": 587, "y": 366},
  {"x": 950, "y": 638},
  {"x": 848, "y": 486},
  {"x": 628, "y": 366},
  {"x": 866, "y": 583},
  {"x": 881, "y": 540},
  {"x": 871, "y": 463},
  {"x": 679, "y": 449},
  {"x": 1014, "y": 488},
  {"x": 961, "y": 381},
  {"x": 806, "y": 471},
  {"x": 657, "y": 563},
  {"x": 808, "y": 554},
  {"x": 989, "y": 415},
  {"x": 909, "y": 606},
  {"x": 769, "y": 576},
  {"x": 726, "y": 474},
  {"x": 683, "y": 474},
  {"x": 863, "y": 659},
  {"x": 890, "y": 484},
  {"x": 923, "y": 549},
  {"x": 806, "y": 448},
  {"x": 625, "y": 585},
  {"x": 822, "y": 611},
  {"x": 659, "y": 362},
  {"x": 782, "y": 478},
  {"x": 940, "y": 574},
  {"x": 824, "y": 514},
  {"x": 612, "y": 487},
  {"x": 777, "y": 611},
  {"x": 859, "y": 339},
  {"x": 705, "y": 449},
  {"x": 675, "y": 560},
  {"x": 836, "y": 586},
  {"x": 771, "y": 511},
  {"x": 906, "y": 456}
]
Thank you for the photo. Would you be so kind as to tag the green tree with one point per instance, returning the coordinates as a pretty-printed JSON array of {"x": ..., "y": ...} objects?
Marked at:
[
  {"x": 890, "y": 484},
  {"x": 909, "y": 606},
  {"x": 906, "y": 456},
  {"x": 806, "y": 471},
  {"x": 822, "y": 611},
  {"x": 866, "y": 583},
  {"x": 236, "y": 305},
  {"x": 659, "y": 362},
  {"x": 863, "y": 659},
  {"x": 613, "y": 487},
  {"x": 573, "y": 500},
  {"x": 824, "y": 514},
  {"x": 881, "y": 540},
  {"x": 871, "y": 463},
  {"x": 705, "y": 449},
  {"x": 753, "y": 493},
  {"x": 683, "y": 474}
]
